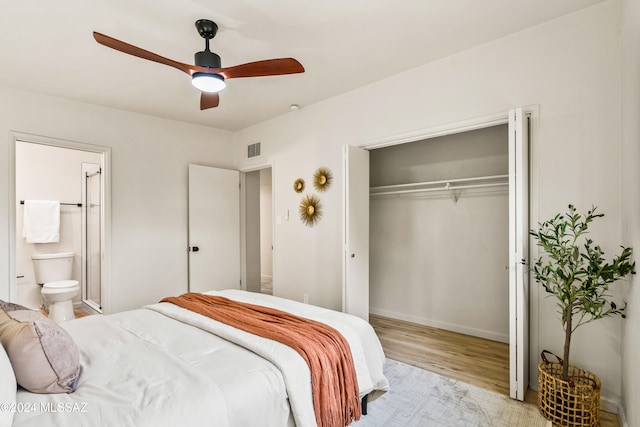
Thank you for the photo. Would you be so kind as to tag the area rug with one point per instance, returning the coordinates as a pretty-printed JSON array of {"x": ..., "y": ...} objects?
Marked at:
[{"x": 419, "y": 398}]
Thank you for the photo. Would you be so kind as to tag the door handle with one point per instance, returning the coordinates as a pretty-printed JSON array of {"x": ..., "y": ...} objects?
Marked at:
[
  {"x": 353, "y": 255},
  {"x": 194, "y": 248}
]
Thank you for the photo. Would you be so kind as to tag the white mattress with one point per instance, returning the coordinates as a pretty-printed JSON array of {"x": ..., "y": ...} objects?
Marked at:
[{"x": 144, "y": 368}]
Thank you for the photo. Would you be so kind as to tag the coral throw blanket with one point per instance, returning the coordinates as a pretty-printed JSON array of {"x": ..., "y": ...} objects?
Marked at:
[{"x": 336, "y": 399}]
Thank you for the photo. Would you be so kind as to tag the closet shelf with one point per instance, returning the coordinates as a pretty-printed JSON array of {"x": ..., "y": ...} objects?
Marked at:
[{"x": 450, "y": 185}]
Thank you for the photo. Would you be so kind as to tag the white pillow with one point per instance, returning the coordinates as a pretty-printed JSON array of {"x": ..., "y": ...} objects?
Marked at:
[{"x": 8, "y": 389}]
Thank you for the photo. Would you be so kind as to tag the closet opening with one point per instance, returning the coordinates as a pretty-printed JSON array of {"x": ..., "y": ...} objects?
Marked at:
[{"x": 439, "y": 246}]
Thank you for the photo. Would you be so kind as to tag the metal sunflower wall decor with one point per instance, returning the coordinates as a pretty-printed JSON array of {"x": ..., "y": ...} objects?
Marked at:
[
  {"x": 322, "y": 179},
  {"x": 298, "y": 185},
  {"x": 310, "y": 210}
]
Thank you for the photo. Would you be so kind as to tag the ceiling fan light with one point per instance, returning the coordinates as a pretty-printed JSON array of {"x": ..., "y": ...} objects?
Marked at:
[{"x": 208, "y": 82}]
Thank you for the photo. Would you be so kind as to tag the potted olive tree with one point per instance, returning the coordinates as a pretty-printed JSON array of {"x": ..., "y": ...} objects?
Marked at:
[{"x": 574, "y": 271}]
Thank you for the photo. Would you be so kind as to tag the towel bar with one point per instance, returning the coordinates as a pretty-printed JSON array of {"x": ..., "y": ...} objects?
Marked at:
[{"x": 66, "y": 204}]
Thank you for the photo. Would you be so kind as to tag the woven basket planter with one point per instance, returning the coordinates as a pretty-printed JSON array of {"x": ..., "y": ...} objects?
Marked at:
[{"x": 572, "y": 403}]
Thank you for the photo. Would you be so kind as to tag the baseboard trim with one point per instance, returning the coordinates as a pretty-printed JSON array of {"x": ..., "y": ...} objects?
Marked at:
[
  {"x": 610, "y": 404},
  {"x": 622, "y": 416},
  {"x": 481, "y": 333}
]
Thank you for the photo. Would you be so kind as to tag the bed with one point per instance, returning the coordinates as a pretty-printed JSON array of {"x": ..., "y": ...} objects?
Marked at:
[{"x": 163, "y": 365}]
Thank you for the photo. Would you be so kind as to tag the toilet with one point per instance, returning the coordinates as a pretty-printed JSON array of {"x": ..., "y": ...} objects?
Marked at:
[{"x": 53, "y": 273}]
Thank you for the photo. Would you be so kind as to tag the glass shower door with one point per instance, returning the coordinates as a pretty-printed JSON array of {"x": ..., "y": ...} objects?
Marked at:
[{"x": 91, "y": 239}]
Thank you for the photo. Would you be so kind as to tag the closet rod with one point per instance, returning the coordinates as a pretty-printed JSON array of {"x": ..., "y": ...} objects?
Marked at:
[
  {"x": 445, "y": 188},
  {"x": 66, "y": 204},
  {"x": 446, "y": 181}
]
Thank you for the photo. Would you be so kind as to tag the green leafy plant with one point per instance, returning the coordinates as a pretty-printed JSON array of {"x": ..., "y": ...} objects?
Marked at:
[{"x": 574, "y": 270}]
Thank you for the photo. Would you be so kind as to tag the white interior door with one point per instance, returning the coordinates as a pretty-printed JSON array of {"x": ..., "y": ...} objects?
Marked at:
[
  {"x": 355, "y": 298},
  {"x": 214, "y": 228},
  {"x": 518, "y": 253}
]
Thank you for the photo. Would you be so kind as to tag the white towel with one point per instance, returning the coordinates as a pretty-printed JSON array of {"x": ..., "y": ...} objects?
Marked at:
[{"x": 41, "y": 221}]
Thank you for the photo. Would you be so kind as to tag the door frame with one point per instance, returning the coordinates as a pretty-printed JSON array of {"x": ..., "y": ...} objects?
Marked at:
[
  {"x": 105, "y": 229},
  {"x": 243, "y": 219},
  {"x": 501, "y": 118}
]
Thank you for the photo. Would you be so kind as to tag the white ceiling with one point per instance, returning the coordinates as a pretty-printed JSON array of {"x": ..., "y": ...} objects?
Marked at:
[{"x": 48, "y": 47}]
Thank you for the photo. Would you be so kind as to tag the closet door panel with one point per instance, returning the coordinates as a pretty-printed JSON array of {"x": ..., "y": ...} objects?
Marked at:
[
  {"x": 518, "y": 253},
  {"x": 355, "y": 298}
]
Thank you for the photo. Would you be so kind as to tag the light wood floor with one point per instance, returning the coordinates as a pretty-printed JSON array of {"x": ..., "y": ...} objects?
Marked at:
[
  {"x": 476, "y": 361},
  {"x": 78, "y": 312}
]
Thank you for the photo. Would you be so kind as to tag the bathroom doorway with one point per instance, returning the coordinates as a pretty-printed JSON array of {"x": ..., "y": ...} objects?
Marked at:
[{"x": 75, "y": 175}]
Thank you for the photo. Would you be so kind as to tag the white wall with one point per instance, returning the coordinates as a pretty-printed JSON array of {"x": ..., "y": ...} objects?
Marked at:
[
  {"x": 442, "y": 263},
  {"x": 306, "y": 259},
  {"x": 149, "y": 157},
  {"x": 630, "y": 16},
  {"x": 570, "y": 67},
  {"x": 44, "y": 172}
]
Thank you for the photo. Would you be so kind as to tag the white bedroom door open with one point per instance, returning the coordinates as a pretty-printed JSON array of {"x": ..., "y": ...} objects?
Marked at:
[
  {"x": 518, "y": 253},
  {"x": 214, "y": 228},
  {"x": 355, "y": 284}
]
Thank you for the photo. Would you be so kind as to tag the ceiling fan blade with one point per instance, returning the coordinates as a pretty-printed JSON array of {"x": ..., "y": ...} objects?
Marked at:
[
  {"x": 141, "y": 53},
  {"x": 209, "y": 100},
  {"x": 268, "y": 67}
]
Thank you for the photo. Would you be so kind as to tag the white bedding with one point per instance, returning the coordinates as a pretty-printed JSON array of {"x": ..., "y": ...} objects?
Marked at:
[{"x": 144, "y": 368}]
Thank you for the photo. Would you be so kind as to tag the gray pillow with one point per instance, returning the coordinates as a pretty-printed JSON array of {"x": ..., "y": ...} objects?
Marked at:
[
  {"x": 8, "y": 388},
  {"x": 43, "y": 355}
]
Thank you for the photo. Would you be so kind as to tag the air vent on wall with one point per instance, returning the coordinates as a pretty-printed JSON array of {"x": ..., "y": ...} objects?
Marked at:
[{"x": 253, "y": 150}]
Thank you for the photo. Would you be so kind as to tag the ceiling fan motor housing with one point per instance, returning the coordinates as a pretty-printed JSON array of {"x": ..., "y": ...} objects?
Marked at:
[{"x": 206, "y": 58}]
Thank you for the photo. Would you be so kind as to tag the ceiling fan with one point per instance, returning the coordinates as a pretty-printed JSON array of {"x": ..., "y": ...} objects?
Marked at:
[{"x": 207, "y": 74}]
